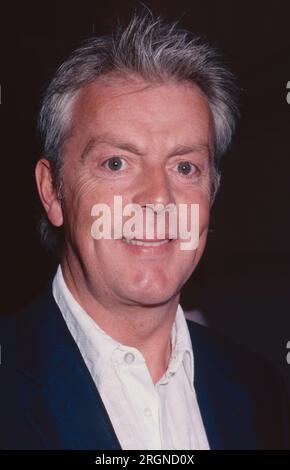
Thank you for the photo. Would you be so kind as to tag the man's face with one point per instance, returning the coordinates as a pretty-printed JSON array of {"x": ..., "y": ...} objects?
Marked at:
[{"x": 149, "y": 144}]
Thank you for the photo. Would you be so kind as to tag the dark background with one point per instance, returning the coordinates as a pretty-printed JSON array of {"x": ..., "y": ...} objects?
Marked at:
[{"x": 242, "y": 284}]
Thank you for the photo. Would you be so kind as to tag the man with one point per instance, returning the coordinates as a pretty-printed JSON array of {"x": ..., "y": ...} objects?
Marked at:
[{"x": 105, "y": 358}]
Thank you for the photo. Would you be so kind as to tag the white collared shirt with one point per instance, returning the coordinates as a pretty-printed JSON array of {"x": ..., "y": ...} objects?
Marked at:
[{"x": 144, "y": 415}]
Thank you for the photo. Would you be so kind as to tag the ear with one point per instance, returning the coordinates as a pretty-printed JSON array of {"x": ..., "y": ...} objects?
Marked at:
[{"x": 48, "y": 192}]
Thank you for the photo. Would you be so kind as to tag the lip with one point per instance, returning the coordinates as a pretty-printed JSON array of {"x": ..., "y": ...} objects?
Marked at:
[
  {"x": 145, "y": 242},
  {"x": 148, "y": 247}
]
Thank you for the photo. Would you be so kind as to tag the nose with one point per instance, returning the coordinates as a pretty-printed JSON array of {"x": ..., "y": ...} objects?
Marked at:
[{"x": 154, "y": 188}]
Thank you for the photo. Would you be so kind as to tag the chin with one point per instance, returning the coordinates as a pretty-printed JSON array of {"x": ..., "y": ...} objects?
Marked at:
[
  {"x": 152, "y": 294},
  {"x": 152, "y": 300},
  {"x": 152, "y": 287}
]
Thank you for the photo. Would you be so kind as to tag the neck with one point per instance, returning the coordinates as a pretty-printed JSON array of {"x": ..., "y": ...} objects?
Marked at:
[{"x": 144, "y": 327}]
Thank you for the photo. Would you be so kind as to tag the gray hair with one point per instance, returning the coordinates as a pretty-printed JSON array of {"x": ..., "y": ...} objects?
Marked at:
[{"x": 154, "y": 50}]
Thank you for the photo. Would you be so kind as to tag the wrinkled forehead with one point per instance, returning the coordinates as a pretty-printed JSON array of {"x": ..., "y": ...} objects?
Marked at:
[
  {"x": 120, "y": 90},
  {"x": 167, "y": 112}
]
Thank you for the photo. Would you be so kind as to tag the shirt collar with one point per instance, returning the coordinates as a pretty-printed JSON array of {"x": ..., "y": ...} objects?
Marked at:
[
  {"x": 181, "y": 349},
  {"x": 98, "y": 348}
]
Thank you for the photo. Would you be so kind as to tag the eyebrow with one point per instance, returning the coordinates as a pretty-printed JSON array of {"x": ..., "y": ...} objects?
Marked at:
[
  {"x": 94, "y": 141},
  {"x": 179, "y": 150}
]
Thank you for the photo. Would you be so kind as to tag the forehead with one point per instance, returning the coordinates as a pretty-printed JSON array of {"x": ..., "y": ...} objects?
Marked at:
[{"x": 167, "y": 111}]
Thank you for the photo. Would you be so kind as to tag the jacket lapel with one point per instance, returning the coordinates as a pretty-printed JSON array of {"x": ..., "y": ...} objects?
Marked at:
[{"x": 67, "y": 411}]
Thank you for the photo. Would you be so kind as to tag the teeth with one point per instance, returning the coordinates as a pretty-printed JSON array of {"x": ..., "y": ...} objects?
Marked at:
[{"x": 144, "y": 243}]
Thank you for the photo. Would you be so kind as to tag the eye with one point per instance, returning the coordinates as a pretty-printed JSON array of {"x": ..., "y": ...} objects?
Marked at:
[
  {"x": 185, "y": 168},
  {"x": 114, "y": 163}
]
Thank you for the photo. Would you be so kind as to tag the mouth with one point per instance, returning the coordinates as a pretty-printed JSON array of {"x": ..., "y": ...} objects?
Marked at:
[{"x": 145, "y": 243}]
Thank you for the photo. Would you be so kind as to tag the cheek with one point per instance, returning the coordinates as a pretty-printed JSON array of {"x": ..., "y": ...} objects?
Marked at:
[
  {"x": 202, "y": 200},
  {"x": 203, "y": 225},
  {"x": 79, "y": 198},
  {"x": 204, "y": 218},
  {"x": 204, "y": 212}
]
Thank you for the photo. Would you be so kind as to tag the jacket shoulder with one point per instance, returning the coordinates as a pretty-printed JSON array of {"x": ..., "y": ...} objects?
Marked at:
[{"x": 251, "y": 374}]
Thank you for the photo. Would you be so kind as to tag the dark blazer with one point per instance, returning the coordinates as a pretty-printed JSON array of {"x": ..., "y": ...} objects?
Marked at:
[{"x": 48, "y": 399}]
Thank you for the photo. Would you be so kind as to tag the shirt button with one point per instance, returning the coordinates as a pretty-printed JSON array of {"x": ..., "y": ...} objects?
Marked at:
[
  {"x": 129, "y": 358},
  {"x": 147, "y": 412}
]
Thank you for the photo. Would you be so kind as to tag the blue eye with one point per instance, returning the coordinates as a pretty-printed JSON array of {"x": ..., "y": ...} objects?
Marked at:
[
  {"x": 114, "y": 163},
  {"x": 186, "y": 167}
]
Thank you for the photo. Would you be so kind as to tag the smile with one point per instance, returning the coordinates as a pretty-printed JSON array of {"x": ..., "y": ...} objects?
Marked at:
[{"x": 145, "y": 242}]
